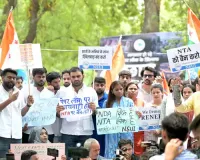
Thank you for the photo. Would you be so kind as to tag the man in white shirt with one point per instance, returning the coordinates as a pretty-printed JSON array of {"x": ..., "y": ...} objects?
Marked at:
[
  {"x": 66, "y": 78},
  {"x": 39, "y": 92},
  {"x": 148, "y": 75},
  {"x": 12, "y": 108},
  {"x": 78, "y": 129}
]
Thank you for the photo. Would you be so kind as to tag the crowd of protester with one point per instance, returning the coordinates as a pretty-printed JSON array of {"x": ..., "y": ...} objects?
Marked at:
[{"x": 178, "y": 137}]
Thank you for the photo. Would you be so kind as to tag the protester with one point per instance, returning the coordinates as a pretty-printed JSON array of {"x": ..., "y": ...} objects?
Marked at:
[
  {"x": 53, "y": 81},
  {"x": 187, "y": 91},
  {"x": 175, "y": 126},
  {"x": 38, "y": 135},
  {"x": 12, "y": 108},
  {"x": 99, "y": 87},
  {"x": 157, "y": 93},
  {"x": 66, "y": 78},
  {"x": 148, "y": 75},
  {"x": 93, "y": 146},
  {"x": 39, "y": 92},
  {"x": 132, "y": 93},
  {"x": 125, "y": 77},
  {"x": 19, "y": 82},
  {"x": 126, "y": 146},
  {"x": 77, "y": 130},
  {"x": 116, "y": 99},
  {"x": 29, "y": 155}
]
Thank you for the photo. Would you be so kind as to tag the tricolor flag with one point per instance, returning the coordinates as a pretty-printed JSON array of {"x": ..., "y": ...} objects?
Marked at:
[
  {"x": 118, "y": 63},
  {"x": 193, "y": 28},
  {"x": 193, "y": 38},
  {"x": 165, "y": 84},
  {"x": 9, "y": 37}
]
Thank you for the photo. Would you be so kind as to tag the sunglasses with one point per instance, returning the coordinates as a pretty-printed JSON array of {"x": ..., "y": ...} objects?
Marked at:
[{"x": 148, "y": 75}]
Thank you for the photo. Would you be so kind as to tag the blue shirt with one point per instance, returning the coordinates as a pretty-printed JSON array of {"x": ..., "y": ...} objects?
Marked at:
[
  {"x": 185, "y": 155},
  {"x": 111, "y": 140},
  {"x": 100, "y": 138}
]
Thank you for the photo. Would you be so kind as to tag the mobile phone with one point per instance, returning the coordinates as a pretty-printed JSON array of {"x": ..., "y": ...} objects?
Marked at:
[
  {"x": 10, "y": 156},
  {"x": 52, "y": 152}
]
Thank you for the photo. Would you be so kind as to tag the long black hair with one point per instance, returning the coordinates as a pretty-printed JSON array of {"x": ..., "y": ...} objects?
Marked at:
[{"x": 111, "y": 96}]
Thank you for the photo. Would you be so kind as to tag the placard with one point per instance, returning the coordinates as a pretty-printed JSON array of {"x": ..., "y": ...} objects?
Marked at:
[
  {"x": 183, "y": 58},
  {"x": 150, "y": 119},
  {"x": 42, "y": 112},
  {"x": 95, "y": 58},
  {"x": 116, "y": 120},
  {"x": 40, "y": 148}
]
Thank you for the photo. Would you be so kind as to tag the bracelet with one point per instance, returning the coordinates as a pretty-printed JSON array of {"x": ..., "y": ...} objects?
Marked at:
[{"x": 28, "y": 105}]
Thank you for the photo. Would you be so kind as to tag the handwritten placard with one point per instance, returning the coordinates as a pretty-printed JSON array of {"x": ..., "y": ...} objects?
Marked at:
[
  {"x": 26, "y": 54},
  {"x": 40, "y": 148},
  {"x": 116, "y": 120},
  {"x": 183, "y": 58},
  {"x": 42, "y": 112},
  {"x": 96, "y": 58},
  {"x": 77, "y": 106},
  {"x": 150, "y": 118}
]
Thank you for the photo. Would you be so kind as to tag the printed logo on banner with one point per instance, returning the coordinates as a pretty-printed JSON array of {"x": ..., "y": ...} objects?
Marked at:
[
  {"x": 184, "y": 58},
  {"x": 95, "y": 58},
  {"x": 139, "y": 45}
]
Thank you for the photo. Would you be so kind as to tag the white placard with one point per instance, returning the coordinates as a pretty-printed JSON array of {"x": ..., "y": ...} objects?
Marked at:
[
  {"x": 183, "y": 58},
  {"x": 95, "y": 58}
]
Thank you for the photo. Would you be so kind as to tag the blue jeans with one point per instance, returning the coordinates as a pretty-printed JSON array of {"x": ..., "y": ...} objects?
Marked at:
[
  {"x": 71, "y": 141},
  {"x": 5, "y": 145}
]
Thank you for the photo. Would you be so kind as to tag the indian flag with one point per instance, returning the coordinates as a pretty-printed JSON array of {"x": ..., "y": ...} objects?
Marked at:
[
  {"x": 193, "y": 28},
  {"x": 9, "y": 37}
]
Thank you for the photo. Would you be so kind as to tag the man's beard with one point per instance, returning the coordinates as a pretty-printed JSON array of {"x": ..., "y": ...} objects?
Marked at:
[
  {"x": 66, "y": 84},
  {"x": 40, "y": 84},
  {"x": 56, "y": 88},
  {"x": 8, "y": 85},
  {"x": 99, "y": 92},
  {"x": 147, "y": 82},
  {"x": 77, "y": 83}
]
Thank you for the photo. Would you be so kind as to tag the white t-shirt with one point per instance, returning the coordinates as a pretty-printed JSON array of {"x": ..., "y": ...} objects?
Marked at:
[
  {"x": 10, "y": 117},
  {"x": 82, "y": 125}
]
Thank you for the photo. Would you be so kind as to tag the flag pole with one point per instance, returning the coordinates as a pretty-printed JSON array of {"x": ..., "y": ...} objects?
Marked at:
[
  {"x": 11, "y": 8},
  {"x": 186, "y": 3}
]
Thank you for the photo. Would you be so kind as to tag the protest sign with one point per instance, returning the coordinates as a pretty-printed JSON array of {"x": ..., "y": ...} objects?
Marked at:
[
  {"x": 150, "y": 118},
  {"x": 42, "y": 112},
  {"x": 116, "y": 120},
  {"x": 40, "y": 148},
  {"x": 184, "y": 58},
  {"x": 77, "y": 106},
  {"x": 95, "y": 58},
  {"x": 18, "y": 56}
]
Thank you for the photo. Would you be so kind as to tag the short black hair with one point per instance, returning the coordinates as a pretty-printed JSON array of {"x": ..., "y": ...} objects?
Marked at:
[
  {"x": 150, "y": 69},
  {"x": 26, "y": 155},
  {"x": 19, "y": 77},
  {"x": 10, "y": 70},
  {"x": 157, "y": 85},
  {"x": 176, "y": 126},
  {"x": 195, "y": 123},
  {"x": 51, "y": 76},
  {"x": 125, "y": 72},
  {"x": 38, "y": 71},
  {"x": 99, "y": 80},
  {"x": 124, "y": 142},
  {"x": 65, "y": 71},
  {"x": 75, "y": 69}
]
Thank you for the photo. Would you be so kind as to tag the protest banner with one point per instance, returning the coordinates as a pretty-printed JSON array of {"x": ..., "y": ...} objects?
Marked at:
[
  {"x": 76, "y": 106},
  {"x": 184, "y": 58},
  {"x": 95, "y": 58},
  {"x": 42, "y": 112},
  {"x": 116, "y": 120},
  {"x": 145, "y": 50},
  {"x": 40, "y": 148},
  {"x": 150, "y": 119}
]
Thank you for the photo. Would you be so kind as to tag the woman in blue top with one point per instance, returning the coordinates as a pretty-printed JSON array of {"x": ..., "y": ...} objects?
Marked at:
[{"x": 116, "y": 99}]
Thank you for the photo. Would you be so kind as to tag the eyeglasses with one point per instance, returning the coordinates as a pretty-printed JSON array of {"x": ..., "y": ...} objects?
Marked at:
[{"x": 148, "y": 75}]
